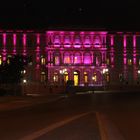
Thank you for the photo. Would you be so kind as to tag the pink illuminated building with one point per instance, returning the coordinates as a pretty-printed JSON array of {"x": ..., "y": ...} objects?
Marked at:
[{"x": 89, "y": 58}]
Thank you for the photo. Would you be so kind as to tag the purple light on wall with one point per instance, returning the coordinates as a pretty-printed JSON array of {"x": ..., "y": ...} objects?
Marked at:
[
  {"x": 4, "y": 39},
  {"x": 92, "y": 33},
  {"x": 4, "y": 53},
  {"x": 14, "y": 39},
  {"x": 82, "y": 33},
  {"x": 24, "y": 40},
  {"x": 37, "y": 59},
  {"x": 37, "y": 66},
  {"x": 112, "y": 40},
  {"x": 38, "y": 39},
  {"x": 87, "y": 59},
  {"x": 134, "y": 40},
  {"x": 124, "y": 61},
  {"x": 134, "y": 60},
  {"x": 77, "y": 58},
  {"x": 50, "y": 32},
  {"x": 124, "y": 41},
  {"x": 87, "y": 42}
]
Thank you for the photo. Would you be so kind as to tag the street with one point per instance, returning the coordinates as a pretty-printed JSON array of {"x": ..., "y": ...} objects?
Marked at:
[{"x": 77, "y": 117}]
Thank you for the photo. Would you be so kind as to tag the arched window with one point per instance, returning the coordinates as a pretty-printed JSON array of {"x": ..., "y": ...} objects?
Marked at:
[
  {"x": 87, "y": 58},
  {"x": 67, "y": 59},
  {"x": 87, "y": 42},
  {"x": 67, "y": 41},
  {"x": 97, "y": 41},
  {"x": 56, "y": 58},
  {"x": 77, "y": 58},
  {"x": 77, "y": 42},
  {"x": 56, "y": 41}
]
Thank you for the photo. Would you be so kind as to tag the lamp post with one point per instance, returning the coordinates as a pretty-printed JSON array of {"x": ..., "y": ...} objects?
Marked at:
[
  {"x": 24, "y": 87},
  {"x": 105, "y": 72}
]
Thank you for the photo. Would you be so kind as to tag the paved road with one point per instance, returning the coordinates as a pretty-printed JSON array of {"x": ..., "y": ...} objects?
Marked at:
[{"x": 83, "y": 117}]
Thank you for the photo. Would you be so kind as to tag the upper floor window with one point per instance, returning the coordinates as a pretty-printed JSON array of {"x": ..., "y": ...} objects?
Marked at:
[
  {"x": 67, "y": 59},
  {"x": 67, "y": 41},
  {"x": 57, "y": 41},
  {"x": 97, "y": 41},
  {"x": 87, "y": 42},
  {"x": 87, "y": 58},
  {"x": 56, "y": 58},
  {"x": 77, "y": 42},
  {"x": 77, "y": 58}
]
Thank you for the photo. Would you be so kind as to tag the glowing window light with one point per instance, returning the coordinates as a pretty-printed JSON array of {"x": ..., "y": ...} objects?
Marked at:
[
  {"x": 42, "y": 72},
  {"x": 86, "y": 78},
  {"x": 56, "y": 59},
  {"x": 107, "y": 61},
  {"x": 54, "y": 78},
  {"x": 75, "y": 59},
  {"x": 75, "y": 72},
  {"x": 129, "y": 62},
  {"x": 43, "y": 61},
  {"x": 67, "y": 59},
  {"x": 94, "y": 78},
  {"x": 85, "y": 72},
  {"x": 8, "y": 61}
]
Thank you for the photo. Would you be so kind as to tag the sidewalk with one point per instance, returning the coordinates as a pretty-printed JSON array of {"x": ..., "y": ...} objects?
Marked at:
[{"x": 16, "y": 102}]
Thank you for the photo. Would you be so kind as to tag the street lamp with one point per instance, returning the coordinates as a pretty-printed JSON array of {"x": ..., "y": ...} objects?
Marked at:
[{"x": 105, "y": 72}]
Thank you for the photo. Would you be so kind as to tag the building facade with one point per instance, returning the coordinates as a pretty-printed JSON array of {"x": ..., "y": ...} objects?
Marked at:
[{"x": 89, "y": 58}]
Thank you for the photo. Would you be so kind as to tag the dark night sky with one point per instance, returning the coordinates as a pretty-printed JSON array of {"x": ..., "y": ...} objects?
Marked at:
[{"x": 37, "y": 14}]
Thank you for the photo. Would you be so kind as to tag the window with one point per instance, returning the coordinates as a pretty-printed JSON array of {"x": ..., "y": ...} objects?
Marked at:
[
  {"x": 43, "y": 76},
  {"x": 67, "y": 41},
  {"x": 57, "y": 41},
  {"x": 87, "y": 42},
  {"x": 67, "y": 58},
  {"x": 56, "y": 58},
  {"x": 55, "y": 77},
  {"x": 77, "y": 58},
  {"x": 107, "y": 61},
  {"x": 87, "y": 58},
  {"x": 97, "y": 41},
  {"x": 43, "y": 61},
  {"x": 77, "y": 42},
  {"x": 129, "y": 62}
]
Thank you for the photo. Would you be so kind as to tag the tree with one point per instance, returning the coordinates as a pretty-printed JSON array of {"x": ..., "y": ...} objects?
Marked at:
[
  {"x": 10, "y": 70},
  {"x": 11, "y": 74}
]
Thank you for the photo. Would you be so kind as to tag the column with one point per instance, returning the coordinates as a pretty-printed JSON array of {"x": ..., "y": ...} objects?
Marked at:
[
  {"x": 4, "y": 51},
  {"x": 14, "y": 43},
  {"x": 24, "y": 44}
]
